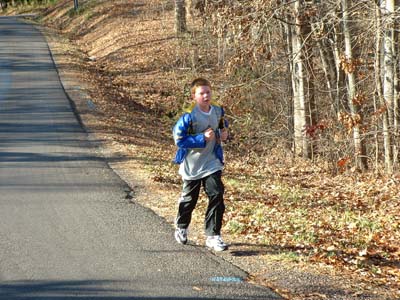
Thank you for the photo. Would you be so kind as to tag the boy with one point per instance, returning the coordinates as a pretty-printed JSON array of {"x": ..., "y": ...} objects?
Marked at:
[{"x": 198, "y": 135}]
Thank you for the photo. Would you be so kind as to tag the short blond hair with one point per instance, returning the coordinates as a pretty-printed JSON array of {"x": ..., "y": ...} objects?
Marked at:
[{"x": 197, "y": 83}]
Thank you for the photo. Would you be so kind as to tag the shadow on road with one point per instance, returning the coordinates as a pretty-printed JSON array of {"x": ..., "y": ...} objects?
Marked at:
[{"x": 77, "y": 290}]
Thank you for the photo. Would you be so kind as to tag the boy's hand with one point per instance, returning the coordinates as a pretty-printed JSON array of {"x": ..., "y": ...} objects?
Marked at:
[
  {"x": 224, "y": 134},
  {"x": 209, "y": 134}
]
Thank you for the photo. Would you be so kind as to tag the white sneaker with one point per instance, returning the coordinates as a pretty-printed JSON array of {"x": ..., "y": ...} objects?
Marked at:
[
  {"x": 216, "y": 243},
  {"x": 181, "y": 235}
]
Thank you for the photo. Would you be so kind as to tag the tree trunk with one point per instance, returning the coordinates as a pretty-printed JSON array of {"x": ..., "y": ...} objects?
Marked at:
[
  {"x": 388, "y": 79},
  {"x": 301, "y": 142},
  {"x": 329, "y": 72},
  {"x": 395, "y": 53},
  {"x": 287, "y": 34},
  {"x": 382, "y": 103},
  {"x": 302, "y": 81},
  {"x": 221, "y": 40},
  {"x": 330, "y": 59},
  {"x": 359, "y": 146},
  {"x": 180, "y": 17},
  {"x": 337, "y": 40}
]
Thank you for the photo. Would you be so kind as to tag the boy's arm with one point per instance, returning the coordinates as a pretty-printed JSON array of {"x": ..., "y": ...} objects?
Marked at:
[
  {"x": 223, "y": 126},
  {"x": 182, "y": 137},
  {"x": 223, "y": 123}
]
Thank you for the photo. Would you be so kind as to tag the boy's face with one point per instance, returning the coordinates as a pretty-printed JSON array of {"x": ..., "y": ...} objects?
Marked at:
[{"x": 202, "y": 96}]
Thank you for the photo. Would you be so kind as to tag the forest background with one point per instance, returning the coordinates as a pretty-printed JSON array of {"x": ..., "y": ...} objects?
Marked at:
[{"x": 311, "y": 91}]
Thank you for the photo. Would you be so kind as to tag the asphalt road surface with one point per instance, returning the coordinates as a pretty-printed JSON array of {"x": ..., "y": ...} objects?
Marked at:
[{"x": 67, "y": 230}]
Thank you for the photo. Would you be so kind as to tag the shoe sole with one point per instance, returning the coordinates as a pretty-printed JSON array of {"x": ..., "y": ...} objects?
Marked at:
[{"x": 217, "y": 249}]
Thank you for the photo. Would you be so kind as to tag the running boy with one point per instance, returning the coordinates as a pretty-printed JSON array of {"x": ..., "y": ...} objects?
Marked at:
[{"x": 198, "y": 135}]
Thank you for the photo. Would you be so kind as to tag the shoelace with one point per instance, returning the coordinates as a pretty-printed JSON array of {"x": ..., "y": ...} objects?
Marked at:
[{"x": 221, "y": 241}]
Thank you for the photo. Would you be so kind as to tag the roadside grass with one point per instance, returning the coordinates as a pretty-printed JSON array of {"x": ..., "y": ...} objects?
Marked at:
[{"x": 31, "y": 7}]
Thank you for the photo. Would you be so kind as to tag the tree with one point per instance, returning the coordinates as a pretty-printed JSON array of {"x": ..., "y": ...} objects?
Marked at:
[
  {"x": 302, "y": 85},
  {"x": 180, "y": 16},
  {"x": 379, "y": 89},
  {"x": 390, "y": 93},
  {"x": 349, "y": 63},
  {"x": 3, "y": 4}
]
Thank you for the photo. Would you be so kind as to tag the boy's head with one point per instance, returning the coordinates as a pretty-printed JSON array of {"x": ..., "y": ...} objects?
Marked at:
[
  {"x": 197, "y": 83},
  {"x": 201, "y": 93}
]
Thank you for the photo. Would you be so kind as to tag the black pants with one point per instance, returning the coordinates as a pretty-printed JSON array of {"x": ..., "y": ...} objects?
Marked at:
[{"x": 214, "y": 189}]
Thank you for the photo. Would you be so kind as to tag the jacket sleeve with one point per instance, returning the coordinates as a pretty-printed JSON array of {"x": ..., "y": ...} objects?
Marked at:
[{"x": 182, "y": 137}]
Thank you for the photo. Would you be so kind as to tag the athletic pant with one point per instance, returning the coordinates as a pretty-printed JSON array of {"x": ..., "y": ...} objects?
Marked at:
[{"x": 214, "y": 189}]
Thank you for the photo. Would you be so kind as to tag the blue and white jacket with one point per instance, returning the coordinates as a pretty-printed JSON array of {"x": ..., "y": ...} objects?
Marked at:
[{"x": 185, "y": 137}]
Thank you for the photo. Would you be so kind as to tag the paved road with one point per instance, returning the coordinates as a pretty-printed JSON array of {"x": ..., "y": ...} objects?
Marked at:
[{"x": 66, "y": 229}]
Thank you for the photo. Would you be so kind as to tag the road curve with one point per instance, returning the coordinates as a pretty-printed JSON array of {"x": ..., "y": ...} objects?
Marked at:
[{"x": 66, "y": 228}]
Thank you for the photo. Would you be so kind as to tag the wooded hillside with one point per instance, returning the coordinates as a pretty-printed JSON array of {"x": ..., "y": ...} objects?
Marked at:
[{"x": 318, "y": 78}]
